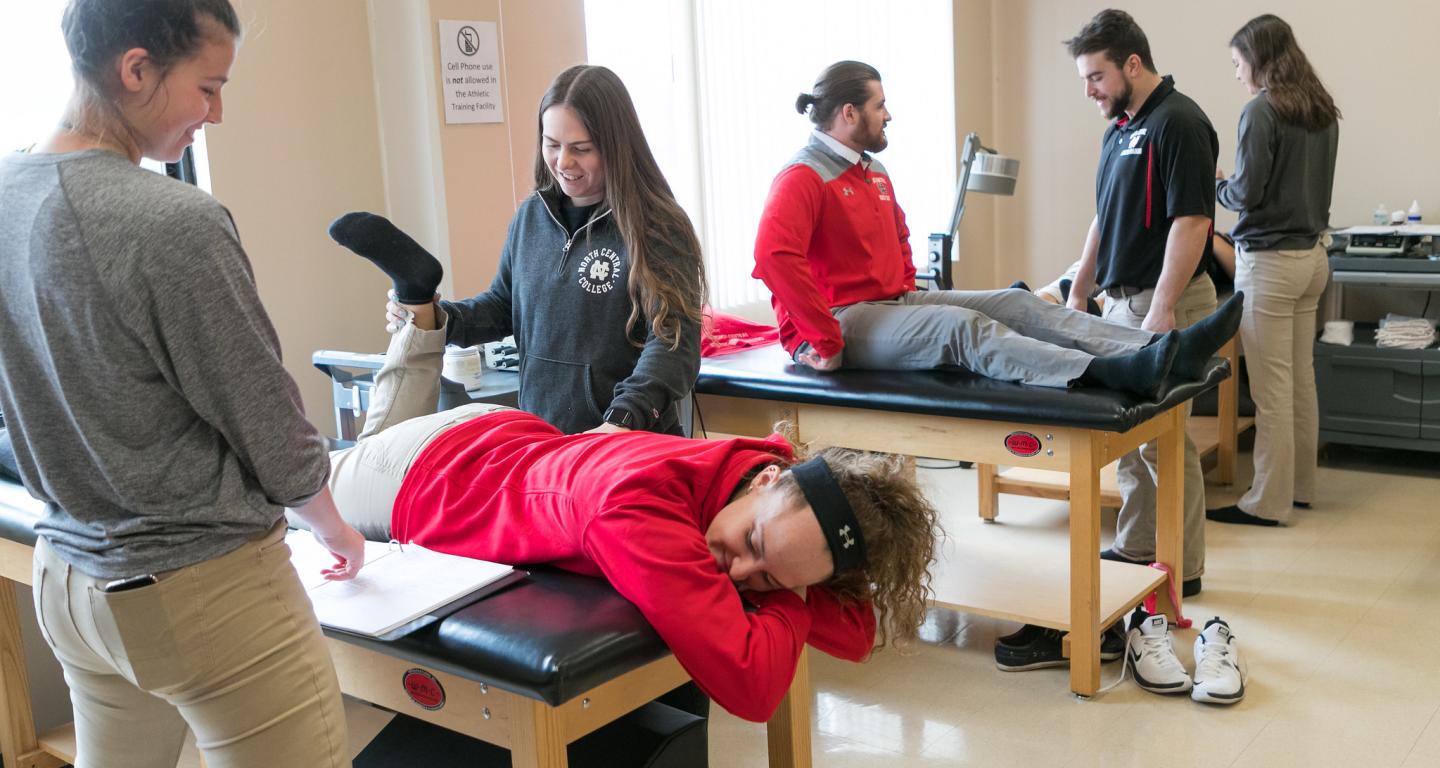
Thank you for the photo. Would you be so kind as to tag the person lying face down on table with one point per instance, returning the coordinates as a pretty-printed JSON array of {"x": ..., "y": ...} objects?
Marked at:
[{"x": 690, "y": 531}]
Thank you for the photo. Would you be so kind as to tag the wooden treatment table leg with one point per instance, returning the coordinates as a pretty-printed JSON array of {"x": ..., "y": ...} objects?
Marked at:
[
  {"x": 1085, "y": 462},
  {"x": 788, "y": 731},
  {"x": 536, "y": 737},
  {"x": 17, "y": 723},
  {"x": 1170, "y": 506},
  {"x": 989, "y": 497}
]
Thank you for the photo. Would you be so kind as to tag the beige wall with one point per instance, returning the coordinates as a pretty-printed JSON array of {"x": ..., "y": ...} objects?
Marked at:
[
  {"x": 1375, "y": 58},
  {"x": 333, "y": 107},
  {"x": 299, "y": 146}
]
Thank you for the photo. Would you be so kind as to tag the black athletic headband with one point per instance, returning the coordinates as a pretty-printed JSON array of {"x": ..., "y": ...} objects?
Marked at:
[{"x": 832, "y": 509}]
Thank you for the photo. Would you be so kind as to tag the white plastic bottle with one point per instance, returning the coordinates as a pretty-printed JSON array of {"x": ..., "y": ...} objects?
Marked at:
[
  {"x": 1382, "y": 215},
  {"x": 1414, "y": 216},
  {"x": 464, "y": 366}
]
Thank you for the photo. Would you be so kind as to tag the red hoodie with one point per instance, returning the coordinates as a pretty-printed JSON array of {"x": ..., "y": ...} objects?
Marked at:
[{"x": 505, "y": 487}]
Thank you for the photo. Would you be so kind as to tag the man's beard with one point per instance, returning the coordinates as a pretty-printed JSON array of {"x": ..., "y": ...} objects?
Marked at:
[
  {"x": 1118, "y": 106},
  {"x": 876, "y": 141}
]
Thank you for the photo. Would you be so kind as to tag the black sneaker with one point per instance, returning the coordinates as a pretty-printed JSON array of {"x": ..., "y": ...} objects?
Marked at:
[
  {"x": 1036, "y": 647},
  {"x": 1032, "y": 647},
  {"x": 1112, "y": 642}
]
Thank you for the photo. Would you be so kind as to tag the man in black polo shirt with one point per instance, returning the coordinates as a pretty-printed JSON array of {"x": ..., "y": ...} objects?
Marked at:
[
  {"x": 1147, "y": 251},
  {"x": 1148, "y": 246}
]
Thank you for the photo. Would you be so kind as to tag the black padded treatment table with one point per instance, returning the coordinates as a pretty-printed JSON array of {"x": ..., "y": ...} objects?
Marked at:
[
  {"x": 531, "y": 669},
  {"x": 960, "y": 416}
]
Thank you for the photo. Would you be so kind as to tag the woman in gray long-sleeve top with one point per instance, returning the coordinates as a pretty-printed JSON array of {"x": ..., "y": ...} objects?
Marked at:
[
  {"x": 141, "y": 381},
  {"x": 1284, "y": 170}
]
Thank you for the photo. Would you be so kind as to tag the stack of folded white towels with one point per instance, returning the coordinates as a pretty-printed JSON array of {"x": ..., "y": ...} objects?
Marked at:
[{"x": 1401, "y": 332}]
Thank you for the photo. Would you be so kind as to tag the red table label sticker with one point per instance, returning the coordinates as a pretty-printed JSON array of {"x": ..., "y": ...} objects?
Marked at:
[
  {"x": 1022, "y": 444},
  {"x": 423, "y": 689}
]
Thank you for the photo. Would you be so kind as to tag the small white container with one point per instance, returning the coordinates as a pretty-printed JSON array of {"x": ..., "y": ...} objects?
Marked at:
[{"x": 464, "y": 366}]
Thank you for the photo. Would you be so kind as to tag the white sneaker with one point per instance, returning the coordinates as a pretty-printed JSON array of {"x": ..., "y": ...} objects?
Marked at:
[
  {"x": 1219, "y": 671},
  {"x": 1150, "y": 654}
]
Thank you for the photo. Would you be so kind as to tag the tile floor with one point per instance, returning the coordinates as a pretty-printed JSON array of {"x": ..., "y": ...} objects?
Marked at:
[{"x": 1338, "y": 616}]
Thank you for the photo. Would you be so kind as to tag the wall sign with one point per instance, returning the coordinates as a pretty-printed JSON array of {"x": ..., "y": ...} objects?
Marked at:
[{"x": 470, "y": 72}]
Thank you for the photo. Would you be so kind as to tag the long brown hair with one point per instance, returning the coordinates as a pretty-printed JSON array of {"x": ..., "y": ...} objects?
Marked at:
[
  {"x": 667, "y": 287},
  {"x": 1279, "y": 66}
]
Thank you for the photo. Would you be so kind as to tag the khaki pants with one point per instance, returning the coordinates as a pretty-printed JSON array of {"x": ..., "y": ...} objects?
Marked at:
[
  {"x": 1137, "y": 470},
  {"x": 229, "y": 647},
  {"x": 1282, "y": 290},
  {"x": 365, "y": 478}
]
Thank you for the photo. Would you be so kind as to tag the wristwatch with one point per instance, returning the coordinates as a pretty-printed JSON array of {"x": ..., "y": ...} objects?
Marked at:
[{"x": 620, "y": 418}]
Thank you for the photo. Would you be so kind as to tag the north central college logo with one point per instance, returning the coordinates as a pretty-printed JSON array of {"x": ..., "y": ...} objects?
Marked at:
[{"x": 599, "y": 270}]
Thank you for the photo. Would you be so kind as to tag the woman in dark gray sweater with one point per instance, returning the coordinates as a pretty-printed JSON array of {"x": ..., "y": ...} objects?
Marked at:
[
  {"x": 1284, "y": 170},
  {"x": 600, "y": 280}
]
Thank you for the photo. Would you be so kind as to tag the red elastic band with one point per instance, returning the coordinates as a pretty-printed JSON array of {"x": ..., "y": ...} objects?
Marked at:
[{"x": 1151, "y": 600}]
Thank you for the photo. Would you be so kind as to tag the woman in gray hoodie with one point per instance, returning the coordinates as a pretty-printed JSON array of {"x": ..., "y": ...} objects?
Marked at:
[{"x": 601, "y": 279}]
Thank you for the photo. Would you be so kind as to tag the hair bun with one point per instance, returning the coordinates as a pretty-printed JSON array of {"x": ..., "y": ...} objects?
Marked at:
[{"x": 802, "y": 101}]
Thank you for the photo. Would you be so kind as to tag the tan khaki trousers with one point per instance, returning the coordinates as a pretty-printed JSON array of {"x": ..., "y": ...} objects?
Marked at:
[
  {"x": 229, "y": 647},
  {"x": 1137, "y": 471},
  {"x": 365, "y": 478},
  {"x": 1282, "y": 291}
]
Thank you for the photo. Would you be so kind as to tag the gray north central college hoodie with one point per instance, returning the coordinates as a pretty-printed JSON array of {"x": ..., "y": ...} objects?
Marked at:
[{"x": 566, "y": 301}]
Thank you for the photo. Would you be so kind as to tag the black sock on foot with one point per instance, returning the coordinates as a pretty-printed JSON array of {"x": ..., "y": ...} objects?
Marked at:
[
  {"x": 1234, "y": 514},
  {"x": 414, "y": 271},
  {"x": 1142, "y": 372},
  {"x": 1021, "y": 285},
  {"x": 1201, "y": 341}
]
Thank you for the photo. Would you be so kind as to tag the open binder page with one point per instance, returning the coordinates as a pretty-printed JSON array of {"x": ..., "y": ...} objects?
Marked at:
[{"x": 398, "y": 584}]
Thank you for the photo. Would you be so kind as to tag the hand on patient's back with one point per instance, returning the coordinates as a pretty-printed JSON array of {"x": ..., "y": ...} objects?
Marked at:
[
  {"x": 348, "y": 547},
  {"x": 825, "y": 364},
  {"x": 606, "y": 427}
]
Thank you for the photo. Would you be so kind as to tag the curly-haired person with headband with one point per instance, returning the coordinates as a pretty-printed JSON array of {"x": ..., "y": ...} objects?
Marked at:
[
  {"x": 690, "y": 531},
  {"x": 1284, "y": 174},
  {"x": 600, "y": 281},
  {"x": 162, "y": 580}
]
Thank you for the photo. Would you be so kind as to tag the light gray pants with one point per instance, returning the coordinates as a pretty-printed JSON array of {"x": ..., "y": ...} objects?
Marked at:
[
  {"x": 1282, "y": 290},
  {"x": 1138, "y": 470},
  {"x": 1010, "y": 335}
]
